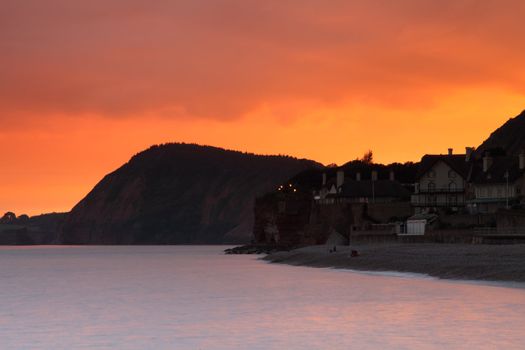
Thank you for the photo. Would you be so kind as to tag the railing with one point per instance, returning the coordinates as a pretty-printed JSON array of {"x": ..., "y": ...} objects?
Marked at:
[
  {"x": 438, "y": 204},
  {"x": 499, "y": 231},
  {"x": 485, "y": 230},
  {"x": 441, "y": 190},
  {"x": 421, "y": 201}
]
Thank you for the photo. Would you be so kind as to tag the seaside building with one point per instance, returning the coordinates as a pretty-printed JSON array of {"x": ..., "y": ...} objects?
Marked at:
[
  {"x": 445, "y": 198},
  {"x": 358, "y": 189},
  {"x": 441, "y": 182},
  {"x": 497, "y": 182},
  {"x": 372, "y": 191}
]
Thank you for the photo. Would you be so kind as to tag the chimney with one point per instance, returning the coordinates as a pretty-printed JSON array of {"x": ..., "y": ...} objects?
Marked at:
[
  {"x": 522, "y": 159},
  {"x": 374, "y": 175},
  {"x": 324, "y": 179},
  {"x": 392, "y": 175},
  {"x": 340, "y": 178},
  {"x": 450, "y": 151},
  {"x": 487, "y": 162},
  {"x": 468, "y": 153},
  {"x": 358, "y": 177}
]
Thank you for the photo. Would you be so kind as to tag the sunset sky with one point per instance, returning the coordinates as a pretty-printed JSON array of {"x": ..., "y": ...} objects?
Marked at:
[{"x": 84, "y": 85}]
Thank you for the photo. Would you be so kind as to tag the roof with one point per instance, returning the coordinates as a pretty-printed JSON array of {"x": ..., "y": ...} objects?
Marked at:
[
  {"x": 381, "y": 188},
  {"x": 497, "y": 172},
  {"x": 428, "y": 217},
  {"x": 456, "y": 161},
  {"x": 328, "y": 185}
]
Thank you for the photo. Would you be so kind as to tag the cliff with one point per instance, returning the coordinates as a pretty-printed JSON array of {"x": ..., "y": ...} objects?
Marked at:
[
  {"x": 178, "y": 194},
  {"x": 510, "y": 137}
]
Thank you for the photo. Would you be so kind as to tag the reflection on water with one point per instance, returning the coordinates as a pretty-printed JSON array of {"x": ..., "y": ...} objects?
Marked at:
[{"x": 197, "y": 298}]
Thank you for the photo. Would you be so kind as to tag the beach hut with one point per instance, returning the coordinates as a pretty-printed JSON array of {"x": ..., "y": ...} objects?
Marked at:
[{"x": 417, "y": 224}]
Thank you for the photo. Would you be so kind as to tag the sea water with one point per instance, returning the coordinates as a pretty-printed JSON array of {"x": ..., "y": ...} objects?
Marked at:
[{"x": 195, "y": 297}]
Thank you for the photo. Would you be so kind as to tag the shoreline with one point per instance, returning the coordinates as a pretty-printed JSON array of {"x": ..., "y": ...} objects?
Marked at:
[{"x": 494, "y": 264}]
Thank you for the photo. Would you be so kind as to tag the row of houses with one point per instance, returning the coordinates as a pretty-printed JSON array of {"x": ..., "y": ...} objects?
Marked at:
[
  {"x": 447, "y": 183},
  {"x": 447, "y": 198},
  {"x": 354, "y": 189},
  {"x": 466, "y": 183}
]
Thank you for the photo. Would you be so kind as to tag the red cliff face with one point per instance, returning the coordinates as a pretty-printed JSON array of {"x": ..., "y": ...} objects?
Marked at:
[{"x": 176, "y": 194}]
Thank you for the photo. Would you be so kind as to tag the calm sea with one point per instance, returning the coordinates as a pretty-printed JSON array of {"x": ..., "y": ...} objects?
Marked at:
[{"x": 178, "y": 297}]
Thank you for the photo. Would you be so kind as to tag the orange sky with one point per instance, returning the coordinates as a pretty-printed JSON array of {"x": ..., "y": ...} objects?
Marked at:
[{"x": 85, "y": 85}]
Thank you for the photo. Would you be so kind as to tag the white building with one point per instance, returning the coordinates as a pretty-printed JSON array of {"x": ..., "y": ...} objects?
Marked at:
[{"x": 442, "y": 182}]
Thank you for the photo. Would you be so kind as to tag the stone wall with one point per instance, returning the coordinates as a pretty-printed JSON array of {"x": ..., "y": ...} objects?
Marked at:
[
  {"x": 511, "y": 222},
  {"x": 293, "y": 219},
  {"x": 440, "y": 236},
  {"x": 467, "y": 220},
  {"x": 388, "y": 212}
]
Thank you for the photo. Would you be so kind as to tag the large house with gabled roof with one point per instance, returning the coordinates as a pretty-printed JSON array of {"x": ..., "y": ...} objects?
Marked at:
[
  {"x": 361, "y": 188},
  {"x": 481, "y": 184},
  {"x": 441, "y": 182},
  {"x": 496, "y": 182}
]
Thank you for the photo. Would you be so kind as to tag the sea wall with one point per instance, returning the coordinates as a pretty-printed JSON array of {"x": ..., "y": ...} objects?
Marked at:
[
  {"x": 511, "y": 222},
  {"x": 389, "y": 212},
  {"x": 467, "y": 220},
  {"x": 441, "y": 236}
]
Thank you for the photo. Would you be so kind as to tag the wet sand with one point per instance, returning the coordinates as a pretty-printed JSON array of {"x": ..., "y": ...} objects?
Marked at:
[{"x": 449, "y": 261}]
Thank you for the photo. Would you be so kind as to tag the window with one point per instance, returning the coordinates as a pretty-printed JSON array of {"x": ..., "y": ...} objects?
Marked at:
[
  {"x": 431, "y": 173},
  {"x": 431, "y": 187},
  {"x": 452, "y": 187}
]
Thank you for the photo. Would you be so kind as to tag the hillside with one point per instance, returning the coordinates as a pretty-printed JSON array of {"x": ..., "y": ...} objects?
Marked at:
[
  {"x": 178, "y": 194},
  {"x": 23, "y": 230},
  {"x": 510, "y": 137}
]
